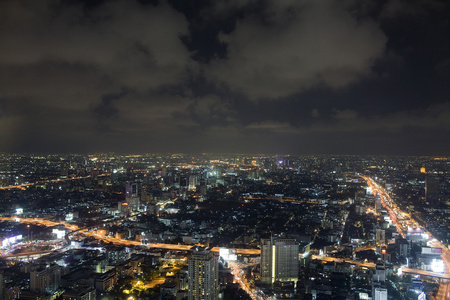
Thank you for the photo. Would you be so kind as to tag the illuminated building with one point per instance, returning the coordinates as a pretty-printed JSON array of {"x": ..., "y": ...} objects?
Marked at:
[
  {"x": 415, "y": 234},
  {"x": 378, "y": 204},
  {"x": 132, "y": 196},
  {"x": 105, "y": 281},
  {"x": 430, "y": 259},
  {"x": 94, "y": 174},
  {"x": 203, "y": 276},
  {"x": 192, "y": 182},
  {"x": 380, "y": 236},
  {"x": 279, "y": 260},
  {"x": 45, "y": 279},
  {"x": 379, "y": 291}
]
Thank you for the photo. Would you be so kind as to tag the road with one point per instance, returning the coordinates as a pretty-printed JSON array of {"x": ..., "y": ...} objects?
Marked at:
[
  {"x": 237, "y": 273},
  {"x": 118, "y": 241},
  {"x": 406, "y": 220},
  {"x": 25, "y": 185}
]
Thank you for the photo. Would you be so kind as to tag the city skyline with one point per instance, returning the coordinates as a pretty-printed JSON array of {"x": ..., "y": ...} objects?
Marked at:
[
  {"x": 254, "y": 76},
  {"x": 223, "y": 226}
]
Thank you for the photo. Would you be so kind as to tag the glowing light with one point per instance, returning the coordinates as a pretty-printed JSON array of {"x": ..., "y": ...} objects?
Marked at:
[{"x": 437, "y": 266}]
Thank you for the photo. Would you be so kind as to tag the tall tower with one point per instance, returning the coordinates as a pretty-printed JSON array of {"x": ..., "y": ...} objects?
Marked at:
[
  {"x": 203, "y": 276},
  {"x": 279, "y": 260}
]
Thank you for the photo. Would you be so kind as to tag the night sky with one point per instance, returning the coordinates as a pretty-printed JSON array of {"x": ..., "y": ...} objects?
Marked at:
[{"x": 247, "y": 76}]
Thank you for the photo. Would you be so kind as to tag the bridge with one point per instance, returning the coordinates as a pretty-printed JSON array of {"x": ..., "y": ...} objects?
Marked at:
[
  {"x": 179, "y": 247},
  {"x": 26, "y": 185},
  {"x": 441, "y": 276}
]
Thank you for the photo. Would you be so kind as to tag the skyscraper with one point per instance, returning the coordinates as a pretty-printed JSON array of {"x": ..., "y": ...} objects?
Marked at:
[
  {"x": 279, "y": 260},
  {"x": 379, "y": 291},
  {"x": 378, "y": 204},
  {"x": 132, "y": 196},
  {"x": 431, "y": 188},
  {"x": 192, "y": 182},
  {"x": 203, "y": 276}
]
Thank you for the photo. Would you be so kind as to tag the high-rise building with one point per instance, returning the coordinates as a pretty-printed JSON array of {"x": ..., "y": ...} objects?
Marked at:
[
  {"x": 380, "y": 236},
  {"x": 64, "y": 169},
  {"x": 379, "y": 291},
  {"x": 378, "y": 204},
  {"x": 45, "y": 279},
  {"x": 2, "y": 286},
  {"x": 132, "y": 196},
  {"x": 279, "y": 260},
  {"x": 192, "y": 182},
  {"x": 431, "y": 188},
  {"x": 203, "y": 276}
]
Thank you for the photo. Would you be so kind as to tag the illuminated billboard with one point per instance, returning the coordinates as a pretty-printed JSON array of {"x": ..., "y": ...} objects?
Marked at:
[
  {"x": 228, "y": 254},
  {"x": 12, "y": 240}
]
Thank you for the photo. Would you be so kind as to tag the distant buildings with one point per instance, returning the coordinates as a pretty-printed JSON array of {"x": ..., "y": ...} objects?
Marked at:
[
  {"x": 279, "y": 260},
  {"x": 203, "y": 276}
]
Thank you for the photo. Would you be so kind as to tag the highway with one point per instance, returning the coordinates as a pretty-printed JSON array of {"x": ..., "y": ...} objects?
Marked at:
[
  {"x": 118, "y": 241},
  {"x": 406, "y": 220},
  {"x": 25, "y": 185},
  {"x": 445, "y": 276}
]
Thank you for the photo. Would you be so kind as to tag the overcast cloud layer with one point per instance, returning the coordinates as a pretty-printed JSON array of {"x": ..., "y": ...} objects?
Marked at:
[{"x": 255, "y": 76}]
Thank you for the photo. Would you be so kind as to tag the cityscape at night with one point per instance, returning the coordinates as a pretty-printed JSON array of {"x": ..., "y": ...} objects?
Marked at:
[
  {"x": 225, "y": 149},
  {"x": 112, "y": 226}
]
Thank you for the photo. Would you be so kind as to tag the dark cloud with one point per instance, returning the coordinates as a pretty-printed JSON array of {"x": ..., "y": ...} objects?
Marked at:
[
  {"x": 297, "y": 46},
  {"x": 106, "y": 109},
  {"x": 255, "y": 76}
]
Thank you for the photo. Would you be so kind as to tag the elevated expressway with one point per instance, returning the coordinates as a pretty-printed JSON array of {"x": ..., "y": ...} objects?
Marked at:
[{"x": 401, "y": 220}]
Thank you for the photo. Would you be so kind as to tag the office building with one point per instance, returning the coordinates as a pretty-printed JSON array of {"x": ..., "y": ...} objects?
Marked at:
[
  {"x": 132, "y": 196},
  {"x": 279, "y": 260},
  {"x": 192, "y": 183},
  {"x": 379, "y": 291}
]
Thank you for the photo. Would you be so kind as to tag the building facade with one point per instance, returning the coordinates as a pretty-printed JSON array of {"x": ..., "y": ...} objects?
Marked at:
[
  {"x": 203, "y": 276},
  {"x": 279, "y": 260}
]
